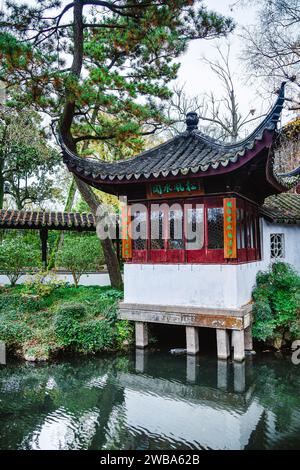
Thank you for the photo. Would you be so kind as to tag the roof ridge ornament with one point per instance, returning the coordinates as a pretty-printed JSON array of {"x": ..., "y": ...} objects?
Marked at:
[{"x": 191, "y": 121}]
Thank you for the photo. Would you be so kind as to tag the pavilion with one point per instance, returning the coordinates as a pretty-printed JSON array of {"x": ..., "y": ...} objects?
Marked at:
[{"x": 219, "y": 188}]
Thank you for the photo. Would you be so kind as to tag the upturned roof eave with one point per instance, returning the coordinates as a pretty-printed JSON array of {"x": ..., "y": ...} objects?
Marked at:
[{"x": 224, "y": 156}]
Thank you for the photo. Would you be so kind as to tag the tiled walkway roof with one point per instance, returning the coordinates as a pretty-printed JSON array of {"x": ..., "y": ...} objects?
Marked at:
[
  {"x": 50, "y": 220},
  {"x": 283, "y": 208}
]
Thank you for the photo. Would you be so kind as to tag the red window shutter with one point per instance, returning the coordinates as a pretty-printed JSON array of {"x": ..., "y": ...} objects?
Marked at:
[{"x": 230, "y": 245}]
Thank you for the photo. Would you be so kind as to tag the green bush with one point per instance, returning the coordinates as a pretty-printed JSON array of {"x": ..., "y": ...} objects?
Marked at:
[
  {"x": 42, "y": 284},
  {"x": 79, "y": 255},
  {"x": 72, "y": 310},
  {"x": 73, "y": 330},
  {"x": 66, "y": 330},
  {"x": 14, "y": 333},
  {"x": 124, "y": 333},
  {"x": 276, "y": 303},
  {"x": 95, "y": 335},
  {"x": 79, "y": 320},
  {"x": 17, "y": 257},
  {"x": 9, "y": 301}
]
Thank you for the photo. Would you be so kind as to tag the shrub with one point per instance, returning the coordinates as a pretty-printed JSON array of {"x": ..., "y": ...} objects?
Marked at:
[
  {"x": 81, "y": 320},
  {"x": 17, "y": 257},
  {"x": 43, "y": 284},
  {"x": 124, "y": 333},
  {"x": 95, "y": 335},
  {"x": 9, "y": 301},
  {"x": 66, "y": 330},
  {"x": 82, "y": 336},
  {"x": 72, "y": 310},
  {"x": 67, "y": 324},
  {"x": 14, "y": 333},
  {"x": 276, "y": 303},
  {"x": 80, "y": 254}
]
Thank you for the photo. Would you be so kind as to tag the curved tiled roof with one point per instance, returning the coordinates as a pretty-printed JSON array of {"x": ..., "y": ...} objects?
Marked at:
[
  {"x": 282, "y": 208},
  {"x": 190, "y": 152},
  {"x": 287, "y": 180},
  {"x": 49, "y": 220}
]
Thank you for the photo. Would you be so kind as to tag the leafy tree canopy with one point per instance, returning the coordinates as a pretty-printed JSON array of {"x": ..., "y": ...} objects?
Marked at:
[
  {"x": 26, "y": 159},
  {"x": 103, "y": 66}
]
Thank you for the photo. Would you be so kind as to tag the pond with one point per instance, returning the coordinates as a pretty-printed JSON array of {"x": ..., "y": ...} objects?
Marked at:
[{"x": 151, "y": 400}]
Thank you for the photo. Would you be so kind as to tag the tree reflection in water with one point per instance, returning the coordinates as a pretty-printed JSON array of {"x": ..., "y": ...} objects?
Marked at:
[{"x": 151, "y": 401}]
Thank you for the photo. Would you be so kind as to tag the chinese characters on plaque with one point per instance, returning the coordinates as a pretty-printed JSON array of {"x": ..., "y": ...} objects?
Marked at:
[
  {"x": 230, "y": 228},
  {"x": 175, "y": 189}
]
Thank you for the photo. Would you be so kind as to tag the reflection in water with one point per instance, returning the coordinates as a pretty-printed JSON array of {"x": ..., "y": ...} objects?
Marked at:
[
  {"x": 192, "y": 368},
  {"x": 222, "y": 375},
  {"x": 151, "y": 401}
]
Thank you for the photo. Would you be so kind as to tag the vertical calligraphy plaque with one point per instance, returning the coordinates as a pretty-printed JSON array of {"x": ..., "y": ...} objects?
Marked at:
[
  {"x": 230, "y": 248},
  {"x": 125, "y": 229}
]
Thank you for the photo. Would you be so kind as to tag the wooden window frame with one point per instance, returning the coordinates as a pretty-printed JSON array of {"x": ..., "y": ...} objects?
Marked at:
[{"x": 205, "y": 255}]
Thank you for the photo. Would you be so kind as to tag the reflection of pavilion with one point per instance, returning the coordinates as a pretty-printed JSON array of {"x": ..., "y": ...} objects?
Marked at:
[
  {"x": 183, "y": 402},
  {"x": 219, "y": 417}
]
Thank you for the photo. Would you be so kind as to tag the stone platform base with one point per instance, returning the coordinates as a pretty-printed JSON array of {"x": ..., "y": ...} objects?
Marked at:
[{"x": 238, "y": 321}]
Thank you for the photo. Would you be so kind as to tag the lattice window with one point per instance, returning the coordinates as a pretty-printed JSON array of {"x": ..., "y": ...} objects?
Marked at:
[
  {"x": 157, "y": 226},
  {"x": 277, "y": 245},
  {"x": 195, "y": 227},
  {"x": 215, "y": 228},
  {"x": 176, "y": 233},
  {"x": 240, "y": 229},
  {"x": 139, "y": 228}
]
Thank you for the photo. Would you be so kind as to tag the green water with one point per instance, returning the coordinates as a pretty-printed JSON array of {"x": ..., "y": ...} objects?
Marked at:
[{"x": 151, "y": 401}]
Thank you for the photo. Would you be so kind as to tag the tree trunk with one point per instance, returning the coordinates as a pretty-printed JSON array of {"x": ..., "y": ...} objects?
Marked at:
[
  {"x": 67, "y": 208},
  {"x": 65, "y": 128},
  {"x": 75, "y": 279},
  {"x": 110, "y": 255},
  {"x": 71, "y": 196}
]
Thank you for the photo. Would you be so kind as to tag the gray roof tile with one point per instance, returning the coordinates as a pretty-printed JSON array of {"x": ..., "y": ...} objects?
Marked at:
[{"x": 190, "y": 151}]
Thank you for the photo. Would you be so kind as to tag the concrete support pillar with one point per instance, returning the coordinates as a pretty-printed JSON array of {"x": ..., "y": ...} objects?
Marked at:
[
  {"x": 238, "y": 343},
  {"x": 223, "y": 344},
  {"x": 239, "y": 377},
  {"x": 248, "y": 338},
  {"x": 141, "y": 334},
  {"x": 222, "y": 375},
  {"x": 192, "y": 339}
]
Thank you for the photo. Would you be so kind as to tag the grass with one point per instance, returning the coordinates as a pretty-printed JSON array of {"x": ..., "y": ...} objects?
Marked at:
[{"x": 38, "y": 323}]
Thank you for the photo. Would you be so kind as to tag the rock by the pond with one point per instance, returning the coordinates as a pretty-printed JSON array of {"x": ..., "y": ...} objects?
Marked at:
[
  {"x": 178, "y": 351},
  {"x": 32, "y": 358},
  {"x": 250, "y": 353}
]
